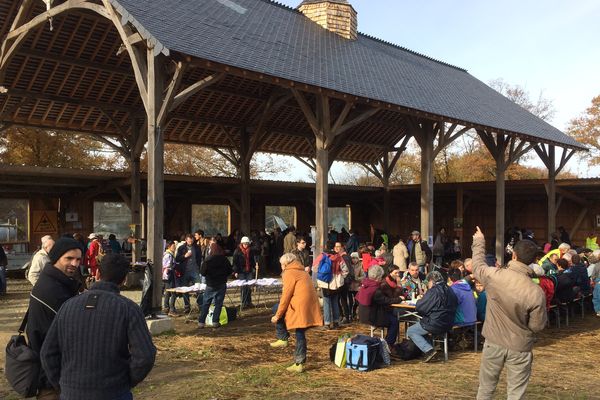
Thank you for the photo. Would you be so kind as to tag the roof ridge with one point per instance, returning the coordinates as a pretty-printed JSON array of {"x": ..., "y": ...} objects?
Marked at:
[{"x": 397, "y": 46}]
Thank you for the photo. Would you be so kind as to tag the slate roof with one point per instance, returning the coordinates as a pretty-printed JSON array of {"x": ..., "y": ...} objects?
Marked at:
[{"x": 269, "y": 38}]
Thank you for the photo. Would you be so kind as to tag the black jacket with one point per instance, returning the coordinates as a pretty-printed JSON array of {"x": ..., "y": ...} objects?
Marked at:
[
  {"x": 564, "y": 287},
  {"x": 53, "y": 288},
  {"x": 216, "y": 269},
  {"x": 377, "y": 313},
  {"x": 437, "y": 309},
  {"x": 98, "y": 346},
  {"x": 580, "y": 277},
  {"x": 239, "y": 262},
  {"x": 180, "y": 254}
]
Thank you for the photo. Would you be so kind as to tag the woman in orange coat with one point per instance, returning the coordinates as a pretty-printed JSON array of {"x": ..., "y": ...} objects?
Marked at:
[{"x": 298, "y": 308}]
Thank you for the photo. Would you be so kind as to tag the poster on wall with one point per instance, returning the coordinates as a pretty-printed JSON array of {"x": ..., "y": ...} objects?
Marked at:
[
  {"x": 71, "y": 217},
  {"x": 44, "y": 222}
]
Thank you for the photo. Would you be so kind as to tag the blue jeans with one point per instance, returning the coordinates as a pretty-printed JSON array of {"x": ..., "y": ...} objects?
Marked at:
[
  {"x": 300, "y": 353},
  {"x": 2, "y": 280},
  {"x": 187, "y": 279},
  {"x": 125, "y": 396},
  {"x": 169, "y": 297},
  {"x": 417, "y": 334},
  {"x": 281, "y": 331},
  {"x": 331, "y": 308},
  {"x": 392, "y": 333},
  {"x": 216, "y": 294},
  {"x": 596, "y": 298},
  {"x": 245, "y": 291},
  {"x": 283, "y": 334}
]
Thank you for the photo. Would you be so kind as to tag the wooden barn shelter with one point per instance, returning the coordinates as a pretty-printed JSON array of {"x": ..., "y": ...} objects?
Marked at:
[{"x": 243, "y": 76}]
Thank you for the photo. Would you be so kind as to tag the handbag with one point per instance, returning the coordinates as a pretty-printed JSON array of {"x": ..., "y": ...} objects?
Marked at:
[
  {"x": 340, "y": 351},
  {"x": 23, "y": 366}
]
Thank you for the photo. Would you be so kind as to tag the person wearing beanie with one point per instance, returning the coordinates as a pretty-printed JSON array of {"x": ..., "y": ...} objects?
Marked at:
[{"x": 57, "y": 283}]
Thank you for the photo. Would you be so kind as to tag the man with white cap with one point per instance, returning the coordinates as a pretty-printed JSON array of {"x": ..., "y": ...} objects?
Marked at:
[
  {"x": 40, "y": 259},
  {"x": 244, "y": 266}
]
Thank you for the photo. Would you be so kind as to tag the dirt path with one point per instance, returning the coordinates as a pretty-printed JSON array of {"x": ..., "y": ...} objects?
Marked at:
[{"x": 236, "y": 362}]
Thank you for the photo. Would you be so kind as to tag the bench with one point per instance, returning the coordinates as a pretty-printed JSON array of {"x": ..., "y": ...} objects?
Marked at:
[
  {"x": 554, "y": 310},
  {"x": 443, "y": 338}
]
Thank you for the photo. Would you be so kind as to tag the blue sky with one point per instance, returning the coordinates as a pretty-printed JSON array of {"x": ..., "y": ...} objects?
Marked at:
[{"x": 550, "y": 47}]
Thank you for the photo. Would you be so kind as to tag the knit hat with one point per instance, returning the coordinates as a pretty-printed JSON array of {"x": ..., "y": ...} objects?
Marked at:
[
  {"x": 61, "y": 246},
  {"x": 354, "y": 254}
]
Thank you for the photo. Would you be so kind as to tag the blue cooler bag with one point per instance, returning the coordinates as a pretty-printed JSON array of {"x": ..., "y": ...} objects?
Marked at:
[{"x": 361, "y": 353}]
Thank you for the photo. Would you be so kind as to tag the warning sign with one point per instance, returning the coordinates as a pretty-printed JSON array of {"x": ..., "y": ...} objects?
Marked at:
[{"x": 44, "y": 222}]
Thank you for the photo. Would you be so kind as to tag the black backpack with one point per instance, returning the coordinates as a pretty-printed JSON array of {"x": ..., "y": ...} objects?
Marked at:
[{"x": 406, "y": 350}]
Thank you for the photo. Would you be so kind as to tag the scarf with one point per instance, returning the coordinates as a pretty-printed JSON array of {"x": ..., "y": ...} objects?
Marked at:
[
  {"x": 391, "y": 283},
  {"x": 246, "y": 253}
]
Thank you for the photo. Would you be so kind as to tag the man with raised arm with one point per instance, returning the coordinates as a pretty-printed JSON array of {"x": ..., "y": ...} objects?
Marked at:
[{"x": 515, "y": 311}]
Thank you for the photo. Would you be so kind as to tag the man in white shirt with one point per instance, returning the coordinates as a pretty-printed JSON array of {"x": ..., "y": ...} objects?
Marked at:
[{"x": 40, "y": 259}]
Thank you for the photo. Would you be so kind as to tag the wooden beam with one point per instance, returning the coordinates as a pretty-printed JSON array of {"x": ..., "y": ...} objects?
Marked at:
[
  {"x": 309, "y": 162},
  {"x": 342, "y": 117},
  {"x": 195, "y": 88},
  {"x": 356, "y": 120},
  {"x": 448, "y": 138},
  {"x": 578, "y": 222},
  {"x": 574, "y": 198},
  {"x": 67, "y": 100},
  {"x": 276, "y": 100},
  {"x": 124, "y": 152},
  {"x": 306, "y": 110},
  {"x": 566, "y": 156},
  {"x": 124, "y": 197},
  {"x": 138, "y": 62},
  {"x": 169, "y": 97},
  {"x": 99, "y": 189},
  {"x": 75, "y": 62},
  {"x": 226, "y": 156}
]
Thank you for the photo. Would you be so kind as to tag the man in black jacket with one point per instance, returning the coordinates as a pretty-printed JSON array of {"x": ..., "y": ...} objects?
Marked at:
[
  {"x": 98, "y": 346},
  {"x": 189, "y": 257},
  {"x": 437, "y": 309},
  {"x": 56, "y": 284},
  {"x": 216, "y": 268}
]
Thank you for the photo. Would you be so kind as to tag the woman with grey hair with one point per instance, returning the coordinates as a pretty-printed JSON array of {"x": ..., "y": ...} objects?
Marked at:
[
  {"x": 436, "y": 309},
  {"x": 374, "y": 306},
  {"x": 297, "y": 309}
]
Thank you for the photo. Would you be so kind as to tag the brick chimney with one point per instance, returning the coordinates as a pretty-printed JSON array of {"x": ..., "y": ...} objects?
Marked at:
[{"x": 337, "y": 16}]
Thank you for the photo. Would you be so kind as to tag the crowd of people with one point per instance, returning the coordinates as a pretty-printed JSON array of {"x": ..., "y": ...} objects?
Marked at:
[{"x": 357, "y": 281}]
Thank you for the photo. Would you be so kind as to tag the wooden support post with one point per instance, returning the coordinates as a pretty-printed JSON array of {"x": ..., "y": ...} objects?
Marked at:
[
  {"x": 322, "y": 194},
  {"x": 386, "y": 192},
  {"x": 135, "y": 206},
  {"x": 500, "y": 207},
  {"x": 244, "y": 172},
  {"x": 548, "y": 157},
  {"x": 327, "y": 132},
  {"x": 551, "y": 192},
  {"x": 424, "y": 133},
  {"x": 460, "y": 196},
  {"x": 505, "y": 151},
  {"x": 155, "y": 176}
]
